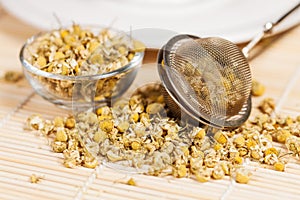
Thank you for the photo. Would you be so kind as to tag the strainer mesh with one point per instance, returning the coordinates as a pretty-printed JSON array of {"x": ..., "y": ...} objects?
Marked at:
[{"x": 211, "y": 76}]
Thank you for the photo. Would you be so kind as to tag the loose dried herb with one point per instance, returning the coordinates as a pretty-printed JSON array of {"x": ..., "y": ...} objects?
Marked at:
[
  {"x": 257, "y": 89},
  {"x": 34, "y": 178},
  {"x": 77, "y": 51},
  {"x": 66, "y": 140},
  {"x": 131, "y": 181},
  {"x": 13, "y": 76},
  {"x": 131, "y": 135}
]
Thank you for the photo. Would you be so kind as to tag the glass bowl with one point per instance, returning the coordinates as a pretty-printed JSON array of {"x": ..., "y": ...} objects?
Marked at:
[{"x": 82, "y": 91}]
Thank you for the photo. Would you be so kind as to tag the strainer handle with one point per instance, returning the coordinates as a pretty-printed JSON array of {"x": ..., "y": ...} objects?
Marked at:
[{"x": 268, "y": 27}]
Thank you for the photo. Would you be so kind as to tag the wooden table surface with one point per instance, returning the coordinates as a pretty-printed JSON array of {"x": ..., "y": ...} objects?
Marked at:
[{"x": 275, "y": 62}]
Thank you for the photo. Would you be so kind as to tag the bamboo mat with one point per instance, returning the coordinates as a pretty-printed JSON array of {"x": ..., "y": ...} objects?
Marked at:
[{"x": 24, "y": 153}]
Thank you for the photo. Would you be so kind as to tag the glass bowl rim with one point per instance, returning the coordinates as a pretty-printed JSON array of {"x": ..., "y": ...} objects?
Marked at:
[{"x": 134, "y": 62}]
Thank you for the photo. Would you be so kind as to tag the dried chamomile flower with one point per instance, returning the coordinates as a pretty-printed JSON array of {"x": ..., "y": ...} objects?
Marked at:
[
  {"x": 123, "y": 126},
  {"x": 196, "y": 152},
  {"x": 239, "y": 141},
  {"x": 289, "y": 121},
  {"x": 185, "y": 150},
  {"x": 59, "y": 122},
  {"x": 271, "y": 159},
  {"x": 150, "y": 93},
  {"x": 195, "y": 164},
  {"x": 226, "y": 167},
  {"x": 271, "y": 150},
  {"x": 200, "y": 133},
  {"x": 61, "y": 134},
  {"x": 100, "y": 136},
  {"x": 71, "y": 158},
  {"x": 256, "y": 153},
  {"x": 135, "y": 145},
  {"x": 261, "y": 119},
  {"x": 104, "y": 111},
  {"x": 139, "y": 129},
  {"x": 131, "y": 182},
  {"x": 154, "y": 108},
  {"x": 180, "y": 171},
  {"x": 281, "y": 135},
  {"x": 279, "y": 166},
  {"x": 242, "y": 175},
  {"x": 35, "y": 122},
  {"x": 238, "y": 160},
  {"x": 243, "y": 151},
  {"x": 136, "y": 104},
  {"x": 293, "y": 145},
  {"x": 211, "y": 159},
  {"x": 257, "y": 89},
  {"x": 220, "y": 137},
  {"x": 203, "y": 175},
  {"x": 13, "y": 76},
  {"x": 218, "y": 146},
  {"x": 106, "y": 125},
  {"x": 114, "y": 156},
  {"x": 218, "y": 172},
  {"x": 267, "y": 106},
  {"x": 48, "y": 127},
  {"x": 35, "y": 179},
  {"x": 134, "y": 117},
  {"x": 202, "y": 144},
  {"x": 90, "y": 162},
  {"x": 58, "y": 146},
  {"x": 250, "y": 143},
  {"x": 70, "y": 122}
]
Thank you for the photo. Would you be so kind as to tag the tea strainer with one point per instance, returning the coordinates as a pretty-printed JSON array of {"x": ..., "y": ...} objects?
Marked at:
[{"x": 209, "y": 79}]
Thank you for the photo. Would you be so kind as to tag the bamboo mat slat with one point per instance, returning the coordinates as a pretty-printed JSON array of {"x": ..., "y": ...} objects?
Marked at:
[{"x": 11, "y": 98}]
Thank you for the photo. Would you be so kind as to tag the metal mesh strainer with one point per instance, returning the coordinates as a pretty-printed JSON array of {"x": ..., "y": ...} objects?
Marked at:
[{"x": 209, "y": 79}]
